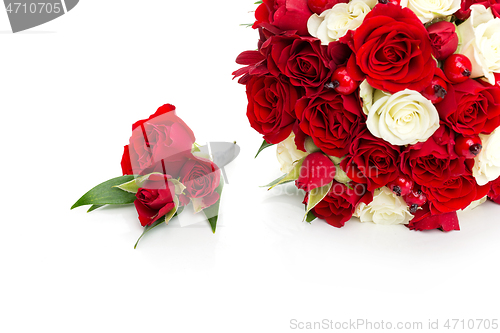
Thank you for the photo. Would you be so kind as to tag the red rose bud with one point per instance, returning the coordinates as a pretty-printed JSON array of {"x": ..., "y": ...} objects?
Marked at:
[
  {"x": 319, "y": 6},
  {"x": 457, "y": 68},
  {"x": 284, "y": 15},
  {"x": 468, "y": 147},
  {"x": 401, "y": 186},
  {"x": 154, "y": 199},
  {"x": 436, "y": 91},
  {"x": 342, "y": 82},
  {"x": 444, "y": 39},
  {"x": 317, "y": 171}
]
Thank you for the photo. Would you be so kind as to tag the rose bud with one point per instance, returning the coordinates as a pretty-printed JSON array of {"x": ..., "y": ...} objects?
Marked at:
[
  {"x": 317, "y": 171},
  {"x": 444, "y": 39},
  {"x": 284, "y": 15},
  {"x": 154, "y": 199},
  {"x": 319, "y": 6}
]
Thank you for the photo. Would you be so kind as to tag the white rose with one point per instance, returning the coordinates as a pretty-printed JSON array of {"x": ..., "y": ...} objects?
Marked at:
[
  {"x": 487, "y": 162},
  {"x": 287, "y": 153},
  {"x": 386, "y": 208},
  {"x": 404, "y": 118},
  {"x": 334, "y": 23},
  {"x": 368, "y": 94},
  {"x": 480, "y": 36},
  {"x": 427, "y": 10}
]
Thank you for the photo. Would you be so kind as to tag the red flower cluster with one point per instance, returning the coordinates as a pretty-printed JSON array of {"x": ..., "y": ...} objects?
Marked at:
[
  {"x": 163, "y": 144},
  {"x": 297, "y": 83}
]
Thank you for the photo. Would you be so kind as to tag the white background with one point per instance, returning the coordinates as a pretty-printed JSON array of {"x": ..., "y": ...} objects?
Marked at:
[{"x": 71, "y": 89}]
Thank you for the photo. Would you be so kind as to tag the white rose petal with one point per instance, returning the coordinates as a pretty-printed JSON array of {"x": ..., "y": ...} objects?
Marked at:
[
  {"x": 487, "y": 162},
  {"x": 287, "y": 153},
  {"x": 401, "y": 119},
  {"x": 368, "y": 94},
  {"x": 475, "y": 204},
  {"x": 480, "y": 36},
  {"x": 386, "y": 208},
  {"x": 427, "y": 10},
  {"x": 334, "y": 23}
]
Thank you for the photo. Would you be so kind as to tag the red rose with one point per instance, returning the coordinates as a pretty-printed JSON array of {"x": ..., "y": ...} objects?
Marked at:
[
  {"x": 302, "y": 59},
  {"x": 162, "y": 143},
  {"x": 494, "y": 194},
  {"x": 471, "y": 107},
  {"x": 331, "y": 120},
  {"x": 201, "y": 178},
  {"x": 284, "y": 15},
  {"x": 444, "y": 39},
  {"x": 434, "y": 162},
  {"x": 317, "y": 171},
  {"x": 464, "y": 12},
  {"x": 373, "y": 158},
  {"x": 126, "y": 164},
  {"x": 495, "y": 9},
  {"x": 154, "y": 199},
  {"x": 271, "y": 103},
  {"x": 337, "y": 54},
  {"x": 340, "y": 203},
  {"x": 455, "y": 194},
  {"x": 393, "y": 49}
]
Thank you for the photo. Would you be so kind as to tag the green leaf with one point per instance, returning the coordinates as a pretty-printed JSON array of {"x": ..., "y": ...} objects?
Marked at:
[
  {"x": 275, "y": 182},
  {"x": 172, "y": 213},
  {"x": 94, "y": 207},
  {"x": 264, "y": 146},
  {"x": 106, "y": 194},
  {"x": 258, "y": 2},
  {"x": 130, "y": 187},
  {"x": 134, "y": 185},
  {"x": 212, "y": 212},
  {"x": 316, "y": 196},
  {"x": 310, "y": 217},
  {"x": 196, "y": 148},
  {"x": 292, "y": 175}
]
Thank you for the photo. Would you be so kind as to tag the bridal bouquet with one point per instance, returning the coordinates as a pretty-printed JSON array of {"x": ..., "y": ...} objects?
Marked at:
[
  {"x": 164, "y": 170},
  {"x": 387, "y": 111}
]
